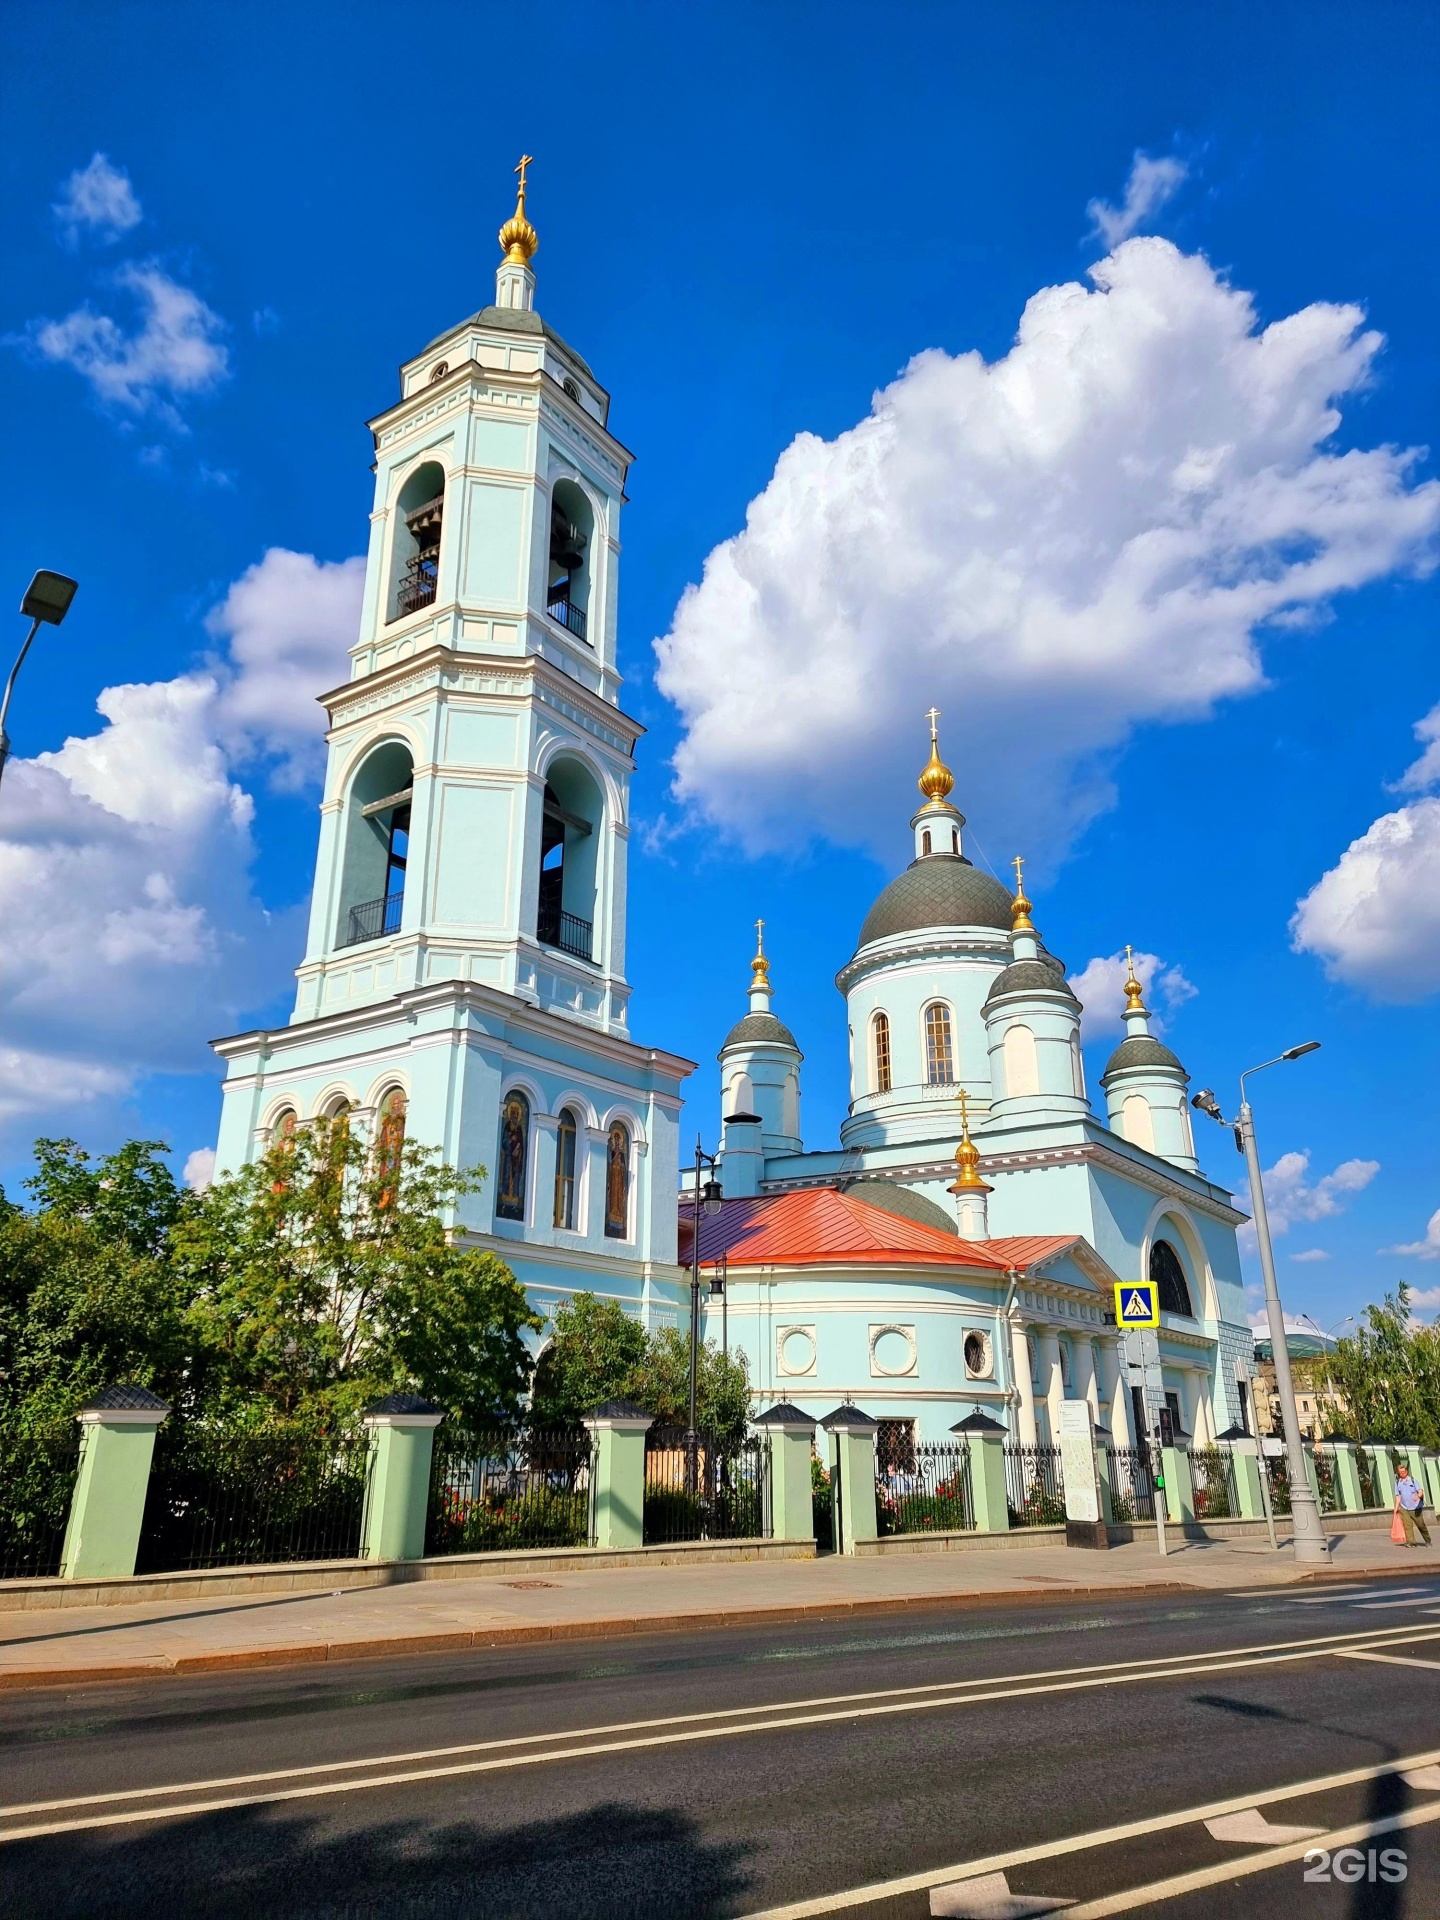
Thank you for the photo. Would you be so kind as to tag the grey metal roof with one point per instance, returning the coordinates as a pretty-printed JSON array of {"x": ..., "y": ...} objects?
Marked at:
[
  {"x": 760, "y": 1026},
  {"x": 978, "y": 1422},
  {"x": 512, "y": 320},
  {"x": 904, "y": 1202},
  {"x": 783, "y": 1414},
  {"x": 126, "y": 1400},
  {"x": 1140, "y": 1051},
  {"x": 402, "y": 1403},
  {"x": 849, "y": 1417},
  {"x": 938, "y": 890},
  {"x": 1045, "y": 975}
]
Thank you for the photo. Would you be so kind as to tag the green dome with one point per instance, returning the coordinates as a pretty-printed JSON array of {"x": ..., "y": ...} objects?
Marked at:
[{"x": 939, "y": 890}]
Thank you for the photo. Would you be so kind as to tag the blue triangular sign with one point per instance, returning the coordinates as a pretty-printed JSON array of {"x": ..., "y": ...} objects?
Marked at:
[{"x": 1135, "y": 1307}]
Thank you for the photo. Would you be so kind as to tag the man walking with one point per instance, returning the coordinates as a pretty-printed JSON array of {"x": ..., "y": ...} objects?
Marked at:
[{"x": 1409, "y": 1504}]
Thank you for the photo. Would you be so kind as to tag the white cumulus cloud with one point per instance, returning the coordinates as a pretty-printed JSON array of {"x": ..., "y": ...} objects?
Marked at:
[
  {"x": 1083, "y": 536},
  {"x": 1291, "y": 1195},
  {"x": 1374, "y": 919},
  {"x": 97, "y": 200},
  {"x": 1151, "y": 183},
  {"x": 1310, "y": 1255},
  {"x": 170, "y": 350},
  {"x": 200, "y": 1168},
  {"x": 1426, "y": 1249},
  {"x": 1100, "y": 989},
  {"x": 132, "y": 933}
]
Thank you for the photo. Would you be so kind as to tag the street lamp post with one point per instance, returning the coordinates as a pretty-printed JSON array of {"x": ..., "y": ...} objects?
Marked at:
[
  {"x": 47, "y": 599},
  {"x": 1310, "y": 1542},
  {"x": 707, "y": 1198}
]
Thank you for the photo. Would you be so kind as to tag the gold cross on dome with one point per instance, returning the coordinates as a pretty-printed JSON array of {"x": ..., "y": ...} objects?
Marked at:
[
  {"x": 1018, "y": 863},
  {"x": 526, "y": 160},
  {"x": 964, "y": 1114},
  {"x": 759, "y": 937},
  {"x": 932, "y": 716}
]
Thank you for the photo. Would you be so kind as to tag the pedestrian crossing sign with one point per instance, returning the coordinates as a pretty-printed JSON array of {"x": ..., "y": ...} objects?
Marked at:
[{"x": 1137, "y": 1303}]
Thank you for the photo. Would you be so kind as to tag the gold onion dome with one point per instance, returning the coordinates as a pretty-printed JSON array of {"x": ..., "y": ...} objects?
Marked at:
[
  {"x": 967, "y": 1158},
  {"x": 1134, "y": 992},
  {"x": 1020, "y": 921},
  {"x": 760, "y": 966},
  {"x": 937, "y": 780},
  {"x": 517, "y": 236}
]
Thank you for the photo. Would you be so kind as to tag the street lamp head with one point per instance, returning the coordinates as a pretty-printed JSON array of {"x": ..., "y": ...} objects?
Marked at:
[
  {"x": 1307, "y": 1046},
  {"x": 48, "y": 597},
  {"x": 711, "y": 1196},
  {"x": 1206, "y": 1102}
]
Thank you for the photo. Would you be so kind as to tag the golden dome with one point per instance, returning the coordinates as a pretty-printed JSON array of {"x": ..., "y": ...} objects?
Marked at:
[
  {"x": 1020, "y": 921},
  {"x": 760, "y": 966},
  {"x": 937, "y": 780},
  {"x": 517, "y": 236},
  {"x": 967, "y": 1158},
  {"x": 1134, "y": 992}
]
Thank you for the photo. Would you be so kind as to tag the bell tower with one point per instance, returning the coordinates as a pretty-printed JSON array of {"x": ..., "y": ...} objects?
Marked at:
[{"x": 471, "y": 873}]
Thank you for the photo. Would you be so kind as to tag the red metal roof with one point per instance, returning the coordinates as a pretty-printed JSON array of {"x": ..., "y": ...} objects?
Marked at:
[{"x": 820, "y": 1225}]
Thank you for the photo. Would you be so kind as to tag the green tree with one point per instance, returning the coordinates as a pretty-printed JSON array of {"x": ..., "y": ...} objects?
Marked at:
[
  {"x": 129, "y": 1197},
  {"x": 596, "y": 1354},
  {"x": 1388, "y": 1375},
  {"x": 325, "y": 1273},
  {"x": 722, "y": 1384}
]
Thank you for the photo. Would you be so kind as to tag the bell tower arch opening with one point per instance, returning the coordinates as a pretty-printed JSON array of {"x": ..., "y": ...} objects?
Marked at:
[
  {"x": 572, "y": 532},
  {"x": 415, "y": 542},
  {"x": 574, "y": 809},
  {"x": 376, "y": 846}
]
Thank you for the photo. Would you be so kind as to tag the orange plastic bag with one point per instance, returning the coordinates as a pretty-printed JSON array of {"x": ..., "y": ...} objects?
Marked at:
[{"x": 1397, "y": 1529}]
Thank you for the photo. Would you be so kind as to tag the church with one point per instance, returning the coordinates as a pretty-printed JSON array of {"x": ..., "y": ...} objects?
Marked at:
[{"x": 463, "y": 983}]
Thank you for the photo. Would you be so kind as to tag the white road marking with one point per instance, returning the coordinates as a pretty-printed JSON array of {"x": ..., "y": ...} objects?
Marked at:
[
  {"x": 1353, "y": 1596},
  {"x": 1252, "y": 1829},
  {"x": 1390, "y": 1659},
  {"x": 973, "y": 1692},
  {"x": 989, "y": 1898},
  {"x": 1255, "y": 1863},
  {"x": 1427, "y": 1778},
  {"x": 1101, "y": 1837}
]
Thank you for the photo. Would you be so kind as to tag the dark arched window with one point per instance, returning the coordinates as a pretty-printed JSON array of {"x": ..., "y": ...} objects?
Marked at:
[
  {"x": 880, "y": 1030},
  {"x": 565, "y": 1134},
  {"x": 514, "y": 1152},
  {"x": 617, "y": 1183},
  {"x": 1169, "y": 1276}
]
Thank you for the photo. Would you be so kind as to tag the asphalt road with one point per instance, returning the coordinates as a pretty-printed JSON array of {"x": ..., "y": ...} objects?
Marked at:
[{"x": 1077, "y": 1751}]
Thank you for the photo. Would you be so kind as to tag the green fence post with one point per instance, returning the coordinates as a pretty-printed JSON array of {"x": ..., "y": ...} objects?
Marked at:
[
  {"x": 852, "y": 1454},
  {"x": 1383, "y": 1474},
  {"x": 117, "y": 1443},
  {"x": 986, "y": 1439},
  {"x": 1429, "y": 1477},
  {"x": 790, "y": 1436},
  {"x": 617, "y": 1473},
  {"x": 1245, "y": 1458},
  {"x": 397, "y": 1481},
  {"x": 1347, "y": 1475},
  {"x": 1179, "y": 1485}
]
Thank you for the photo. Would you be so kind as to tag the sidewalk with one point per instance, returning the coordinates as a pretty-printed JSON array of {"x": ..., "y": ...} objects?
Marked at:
[{"x": 58, "y": 1646}]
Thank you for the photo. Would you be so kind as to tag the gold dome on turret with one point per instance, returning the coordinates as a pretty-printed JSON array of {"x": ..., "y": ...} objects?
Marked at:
[
  {"x": 517, "y": 236},
  {"x": 1134, "y": 992},
  {"x": 760, "y": 966},
  {"x": 967, "y": 1158},
  {"x": 936, "y": 781},
  {"x": 1020, "y": 921}
]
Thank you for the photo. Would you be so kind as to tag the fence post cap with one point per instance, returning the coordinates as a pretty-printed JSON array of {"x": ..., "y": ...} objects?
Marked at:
[
  {"x": 621, "y": 1416},
  {"x": 850, "y": 1417},
  {"x": 786, "y": 1417},
  {"x": 1233, "y": 1433},
  {"x": 402, "y": 1410},
  {"x": 124, "y": 1407},
  {"x": 978, "y": 1423}
]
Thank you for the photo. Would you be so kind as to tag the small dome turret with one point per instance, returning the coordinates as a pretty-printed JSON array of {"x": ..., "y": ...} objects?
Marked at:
[
  {"x": 1146, "y": 1084},
  {"x": 759, "y": 1085},
  {"x": 1032, "y": 1026}
]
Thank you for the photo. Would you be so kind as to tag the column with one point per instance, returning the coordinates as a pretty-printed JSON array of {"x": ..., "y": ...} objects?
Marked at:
[
  {"x": 1347, "y": 1475},
  {"x": 397, "y": 1484},
  {"x": 1179, "y": 1485},
  {"x": 791, "y": 1435},
  {"x": 1246, "y": 1457},
  {"x": 852, "y": 1473},
  {"x": 1117, "y": 1391},
  {"x": 986, "y": 1440},
  {"x": 117, "y": 1443},
  {"x": 617, "y": 1473},
  {"x": 1087, "y": 1385},
  {"x": 1204, "y": 1411},
  {"x": 1024, "y": 1384},
  {"x": 1052, "y": 1381}
]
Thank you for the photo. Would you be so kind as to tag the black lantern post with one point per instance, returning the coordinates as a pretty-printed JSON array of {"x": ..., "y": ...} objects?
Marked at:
[{"x": 708, "y": 1197}]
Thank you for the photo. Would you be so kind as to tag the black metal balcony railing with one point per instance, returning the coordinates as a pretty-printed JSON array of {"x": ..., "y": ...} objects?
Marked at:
[
  {"x": 374, "y": 920},
  {"x": 568, "y": 614},
  {"x": 567, "y": 931},
  {"x": 417, "y": 589}
]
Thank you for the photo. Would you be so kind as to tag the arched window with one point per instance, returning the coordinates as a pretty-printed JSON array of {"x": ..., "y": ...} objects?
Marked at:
[
  {"x": 617, "y": 1182},
  {"x": 282, "y": 1127},
  {"x": 514, "y": 1156},
  {"x": 925, "y": 846},
  {"x": 565, "y": 1137},
  {"x": 376, "y": 846},
  {"x": 1169, "y": 1276},
  {"x": 572, "y": 527},
  {"x": 939, "y": 1056},
  {"x": 415, "y": 544},
  {"x": 1077, "y": 1067},
  {"x": 954, "y": 840},
  {"x": 1138, "y": 1120},
  {"x": 573, "y": 809},
  {"x": 1022, "y": 1066},
  {"x": 390, "y": 1142},
  {"x": 880, "y": 1041}
]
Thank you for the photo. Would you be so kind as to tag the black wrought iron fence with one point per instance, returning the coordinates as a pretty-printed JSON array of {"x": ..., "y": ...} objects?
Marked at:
[
  {"x": 1365, "y": 1467},
  {"x": 37, "y": 1479},
  {"x": 928, "y": 1493},
  {"x": 1212, "y": 1480},
  {"x": 703, "y": 1487},
  {"x": 508, "y": 1489},
  {"x": 222, "y": 1498},
  {"x": 1277, "y": 1470},
  {"x": 1132, "y": 1485},
  {"x": 1035, "y": 1486}
]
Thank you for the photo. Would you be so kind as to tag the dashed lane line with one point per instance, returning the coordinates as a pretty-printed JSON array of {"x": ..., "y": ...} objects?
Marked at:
[{"x": 879, "y": 1890}]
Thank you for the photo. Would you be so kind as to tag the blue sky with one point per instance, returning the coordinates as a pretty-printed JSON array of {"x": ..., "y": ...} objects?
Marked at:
[{"x": 752, "y": 218}]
